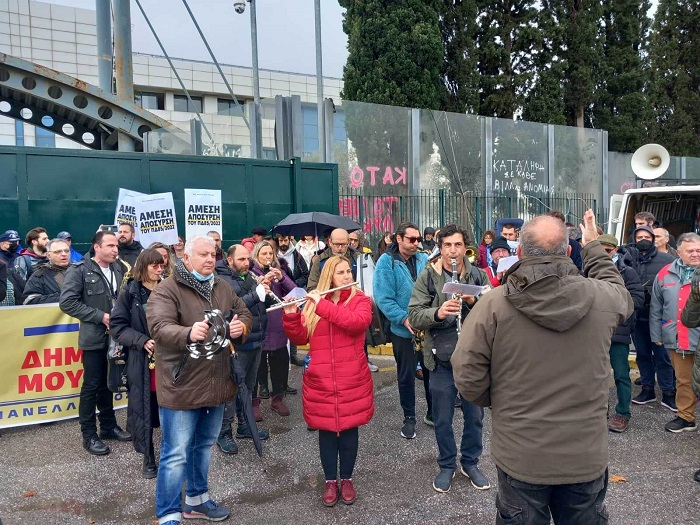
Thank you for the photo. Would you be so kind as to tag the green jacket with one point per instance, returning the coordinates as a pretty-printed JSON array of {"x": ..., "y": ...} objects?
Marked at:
[
  {"x": 690, "y": 317},
  {"x": 423, "y": 306}
]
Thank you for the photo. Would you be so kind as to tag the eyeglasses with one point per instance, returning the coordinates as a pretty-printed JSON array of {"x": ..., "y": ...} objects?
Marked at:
[
  {"x": 60, "y": 251},
  {"x": 413, "y": 240},
  {"x": 157, "y": 265},
  {"x": 339, "y": 244}
]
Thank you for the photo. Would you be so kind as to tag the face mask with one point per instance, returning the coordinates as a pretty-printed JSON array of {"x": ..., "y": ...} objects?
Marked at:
[
  {"x": 644, "y": 245},
  {"x": 201, "y": 278},
  {"x": 12, "y": 247},
  {"x": 615, "y": 257}
]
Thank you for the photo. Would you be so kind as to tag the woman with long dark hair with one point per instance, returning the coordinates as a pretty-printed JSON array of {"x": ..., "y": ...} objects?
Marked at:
[
  {"x": 274, "y": 272},
  {"x": 484, "y": 260},
  {"x": 128, "y": 327},
  {"x": 337, "y": 390}
]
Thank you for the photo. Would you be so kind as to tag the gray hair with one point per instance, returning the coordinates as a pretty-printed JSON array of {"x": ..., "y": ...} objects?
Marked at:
[
  {"x": 665, "y": 232},
  {"x": 189, "y": 245},
  {"x": 534, "y": 244},
  {"x": 50, "y": 244},
  {"x": 687, "y": 237}
]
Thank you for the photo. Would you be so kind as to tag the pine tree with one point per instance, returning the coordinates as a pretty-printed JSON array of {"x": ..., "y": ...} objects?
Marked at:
[
  {"x": 675, "y": 63},
  {"x": 395, "y": 59},
  {"x": 622, "y": 106}
]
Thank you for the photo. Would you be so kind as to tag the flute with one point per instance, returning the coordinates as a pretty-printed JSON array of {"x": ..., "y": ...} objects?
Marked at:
[
  {"x": 455, "y": 279},
  {"x": 302, "y": 299},
  {"x": 272, "y": 294}
]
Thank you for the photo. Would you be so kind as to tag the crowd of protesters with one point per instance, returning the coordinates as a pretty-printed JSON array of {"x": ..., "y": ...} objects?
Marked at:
[{"x": 556, "y": 289}]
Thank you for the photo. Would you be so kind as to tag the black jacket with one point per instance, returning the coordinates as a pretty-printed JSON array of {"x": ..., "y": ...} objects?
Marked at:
[
  {"x": 300, "y": 275},
  {"x": 3, "y": 280},
  {"x": 128, "y": 327},
  {"x": 647, "y": 267},
  {"x": 86, "y": 296},
  {"x": 8, "y": 257},
  {"x": 130, "y": 252},
  {"x": 244, "y": 288},
  {"x": 42, "y": 288},
  {"x": 576, "y": 254},
  {"x": 623, "y": 332}
]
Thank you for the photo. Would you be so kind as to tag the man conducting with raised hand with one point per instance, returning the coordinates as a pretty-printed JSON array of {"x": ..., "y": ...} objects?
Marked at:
[
  {"x": 522, "y": 347},
  {"x": 191, "y": 392}
]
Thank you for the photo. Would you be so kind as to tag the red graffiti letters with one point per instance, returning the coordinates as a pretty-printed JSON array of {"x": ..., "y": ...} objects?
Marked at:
[{"x": 392, "y": 176}]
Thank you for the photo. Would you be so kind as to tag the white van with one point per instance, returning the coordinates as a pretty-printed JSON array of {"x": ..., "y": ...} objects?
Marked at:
[{"x": 676, "y": 207}]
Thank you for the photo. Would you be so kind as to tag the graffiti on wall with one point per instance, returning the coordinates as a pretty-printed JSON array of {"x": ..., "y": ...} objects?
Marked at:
[
  {"x": 377, "y": 212},
  {"x": 376, "y": 176},
  {"x": 527, "y": 175}
]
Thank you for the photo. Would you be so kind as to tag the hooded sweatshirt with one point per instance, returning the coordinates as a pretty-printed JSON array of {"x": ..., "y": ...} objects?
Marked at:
[
  {"x": 130, "y": 252},
  {"x": 536, "y": 351}
]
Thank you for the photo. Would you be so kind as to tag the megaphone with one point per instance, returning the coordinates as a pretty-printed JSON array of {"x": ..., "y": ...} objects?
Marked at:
[{"x": 650, "y": 161}]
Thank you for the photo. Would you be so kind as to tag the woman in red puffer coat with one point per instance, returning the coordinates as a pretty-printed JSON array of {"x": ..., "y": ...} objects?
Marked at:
[{"x": 337, "y": 390}]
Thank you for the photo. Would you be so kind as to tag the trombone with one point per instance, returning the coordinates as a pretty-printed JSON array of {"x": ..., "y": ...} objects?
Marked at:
[{"x": 302, "y": 299}]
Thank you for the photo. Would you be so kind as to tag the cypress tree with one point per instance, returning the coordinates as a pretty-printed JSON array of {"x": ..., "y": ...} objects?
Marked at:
[
  {"x": 622, "y": 106},
  {"x": 675, "y": 64}
]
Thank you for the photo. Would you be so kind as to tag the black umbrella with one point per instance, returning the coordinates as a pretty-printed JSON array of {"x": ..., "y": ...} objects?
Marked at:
[
  {"x": 238, "y": 376},
  {"x": 313, "y": 223}
]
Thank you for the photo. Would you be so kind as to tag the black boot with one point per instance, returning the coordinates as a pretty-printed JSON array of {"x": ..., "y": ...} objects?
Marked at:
[
  {"x": 293, "y": 359},
  {"x": 150, "y": 469}
]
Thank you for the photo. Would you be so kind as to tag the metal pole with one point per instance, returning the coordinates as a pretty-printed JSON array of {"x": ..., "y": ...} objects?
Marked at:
[
  {"x": 319, "y": 85},
  {"x": 256, "y": 128},
  {"x": 124, "y": 70},
  {"x": 103, "y": 19},
  {"x": 122, "y": 50}
]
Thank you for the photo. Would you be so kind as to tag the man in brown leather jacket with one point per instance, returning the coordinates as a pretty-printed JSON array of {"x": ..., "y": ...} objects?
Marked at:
[{"x": 191, "y": 391}]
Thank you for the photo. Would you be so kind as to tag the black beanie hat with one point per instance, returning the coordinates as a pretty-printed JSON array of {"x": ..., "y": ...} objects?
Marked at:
[{"x": 499, "y": 242}]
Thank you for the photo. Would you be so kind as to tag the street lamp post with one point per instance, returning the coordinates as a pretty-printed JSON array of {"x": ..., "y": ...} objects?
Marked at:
[{"x": 256, "y": 120}]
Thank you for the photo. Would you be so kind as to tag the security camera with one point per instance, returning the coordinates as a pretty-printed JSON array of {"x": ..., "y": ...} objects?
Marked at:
[{"x": 239, "y": 6}]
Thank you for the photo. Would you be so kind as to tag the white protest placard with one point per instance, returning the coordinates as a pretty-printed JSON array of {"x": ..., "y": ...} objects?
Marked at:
[
  {"x": 126, "y": 211},
  {"x": 202, "y": 212},
  {"x": 505, "y": 263},
  {"x": 156, "y": 219}
]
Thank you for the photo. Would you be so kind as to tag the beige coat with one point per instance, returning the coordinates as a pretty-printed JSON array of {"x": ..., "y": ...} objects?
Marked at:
[{"x": 536, "y": 351}]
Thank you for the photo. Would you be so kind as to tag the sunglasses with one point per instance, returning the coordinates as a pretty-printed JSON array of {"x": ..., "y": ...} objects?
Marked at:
[
  {"x": 157, "y": 265},
  {"x": 413, "y": 240}
]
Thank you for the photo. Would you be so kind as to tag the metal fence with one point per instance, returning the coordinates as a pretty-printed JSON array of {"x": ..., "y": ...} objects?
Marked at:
[{"x": 477, "y": 212}]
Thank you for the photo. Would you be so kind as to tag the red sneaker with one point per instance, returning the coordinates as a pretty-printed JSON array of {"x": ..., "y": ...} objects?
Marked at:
[
  {"x": 347, "y": 491},
  {"x": 330, "y": 495}
]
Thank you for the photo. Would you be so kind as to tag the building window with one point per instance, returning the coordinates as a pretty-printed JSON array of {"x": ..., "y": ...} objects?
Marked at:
[
  {"x": 228, "y": 107},
  {"x": 150, "y": 100},
  {"x": 182, "y": 104},
  {"x": 309, "y": 130},
  {"x": 44, "y": 138},
  {"x": 19, "y": 133},
  {"x": 269, "y": 153}
]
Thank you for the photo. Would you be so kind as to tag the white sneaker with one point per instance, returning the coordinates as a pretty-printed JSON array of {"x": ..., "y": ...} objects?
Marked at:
[{"x": 372, "y": 367}]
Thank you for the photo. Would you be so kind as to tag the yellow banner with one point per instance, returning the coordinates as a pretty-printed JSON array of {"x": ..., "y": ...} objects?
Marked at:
[{"x": 40, "y": 368}]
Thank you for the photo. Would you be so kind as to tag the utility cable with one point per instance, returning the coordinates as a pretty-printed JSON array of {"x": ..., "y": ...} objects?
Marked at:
[
  {"x": 182, "y": 84},
  {"x": 216, "y": 63}
]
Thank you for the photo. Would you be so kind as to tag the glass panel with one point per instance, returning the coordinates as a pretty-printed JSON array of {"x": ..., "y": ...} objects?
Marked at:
[
  {"x": 183, "y": 104},
  {"x": 229, "y": 107},
  {"x": 19, "y": 132},
  {"x": 692, "y": 169},
  {"x": 149, "y": 100},
  {"x": 44, "y": 138}
]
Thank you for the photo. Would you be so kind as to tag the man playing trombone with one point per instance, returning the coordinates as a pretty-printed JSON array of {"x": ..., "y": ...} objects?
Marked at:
[{"x": 440, "y": 315}]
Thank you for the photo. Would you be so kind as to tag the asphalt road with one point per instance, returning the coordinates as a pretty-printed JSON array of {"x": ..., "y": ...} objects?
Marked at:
[{"x": 46, "y": 478}]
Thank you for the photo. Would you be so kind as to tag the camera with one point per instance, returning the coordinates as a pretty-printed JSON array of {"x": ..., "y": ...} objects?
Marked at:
[{"x": 239, "y": 6}]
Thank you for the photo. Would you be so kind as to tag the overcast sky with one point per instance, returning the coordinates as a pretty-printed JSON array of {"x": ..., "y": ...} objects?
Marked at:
[
  {"x": 286, "y": 34},
  {"x": 286, "y": 37}
]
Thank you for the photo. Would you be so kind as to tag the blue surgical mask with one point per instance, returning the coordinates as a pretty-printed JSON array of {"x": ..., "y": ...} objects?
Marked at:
[
  {"x": 615, "y": 257},
  {"x": 201, "y": 278}
]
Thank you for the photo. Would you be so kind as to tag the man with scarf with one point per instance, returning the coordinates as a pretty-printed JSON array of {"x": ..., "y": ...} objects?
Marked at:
[
  {"x": 669, "y": 296},
  {"x": 652, "y": 360},
  {"x": 191, "y": 391},
  {"x": 44, "y": 286}
]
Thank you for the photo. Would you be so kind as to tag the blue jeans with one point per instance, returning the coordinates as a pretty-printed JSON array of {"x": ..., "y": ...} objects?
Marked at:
[
  {"x": 185, "y": 453},
  {"x": 444, "y": 392},
  {"x": 652, "y": 359}
]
